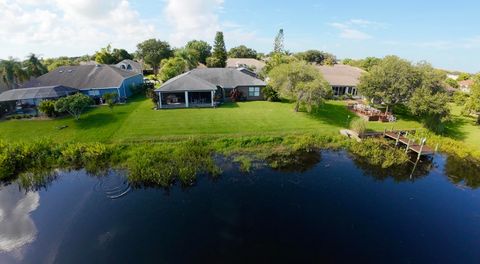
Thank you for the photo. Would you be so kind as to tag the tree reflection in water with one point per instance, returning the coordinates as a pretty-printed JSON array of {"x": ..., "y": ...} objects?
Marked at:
[
  {"x": 297, "y": 161},
  {"x": 463, "y": 171},
  {"x": 407, "y": 172}
]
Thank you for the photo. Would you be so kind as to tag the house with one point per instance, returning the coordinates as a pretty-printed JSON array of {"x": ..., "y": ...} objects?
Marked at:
[
  {"x": 344, "y": 79},
  {"x": 27, "y": 99},
  {"x": 205, "y": 87},
  {"x": 465, "y": 85},
  {"x": 130, "y": 65},
  {"x": 251, "y": 64},
  {"x": 93, "y": 80}
]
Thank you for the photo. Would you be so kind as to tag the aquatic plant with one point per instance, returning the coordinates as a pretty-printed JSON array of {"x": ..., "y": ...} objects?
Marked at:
[{"x": 378, "y": 152}]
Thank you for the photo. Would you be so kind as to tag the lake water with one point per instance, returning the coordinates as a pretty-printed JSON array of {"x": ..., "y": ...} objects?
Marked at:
[{"x": 328, "y": 209}]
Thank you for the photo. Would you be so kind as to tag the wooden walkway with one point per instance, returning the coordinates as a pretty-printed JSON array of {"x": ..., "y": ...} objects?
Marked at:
[{"x": 421, "y": 149}]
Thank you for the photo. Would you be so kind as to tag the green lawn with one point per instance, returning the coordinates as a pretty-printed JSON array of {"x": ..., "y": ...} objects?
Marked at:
[
  {"x": 463, "y": 128},
  {"x": 137, "y": 121}
]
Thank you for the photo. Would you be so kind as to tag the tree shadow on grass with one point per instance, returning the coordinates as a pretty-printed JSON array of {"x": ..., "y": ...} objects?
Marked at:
[
  {"x": 333, "y": 114},
  {"x": 229, "y": 105},
  {"x": 454, "y": 126},
  {"x": 99, "y": 119}
]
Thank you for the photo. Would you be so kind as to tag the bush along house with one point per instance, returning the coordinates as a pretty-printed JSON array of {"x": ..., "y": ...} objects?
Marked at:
[{"x": 207, "y": 87}]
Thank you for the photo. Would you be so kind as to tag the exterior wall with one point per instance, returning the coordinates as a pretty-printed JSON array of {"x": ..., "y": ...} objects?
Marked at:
[
  {"x": 244, "y": 91},
  {"x": 343, "y": 90},
  {"x": 95, "y": 92},
  {"x": 125, "y": 88}
]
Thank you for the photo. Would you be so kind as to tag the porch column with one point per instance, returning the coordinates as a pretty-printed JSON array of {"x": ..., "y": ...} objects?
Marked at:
[
  {"x": 213, "y": 95},
  {"x": 186, "y": 99},
  {"x": 160, "y": 99}
]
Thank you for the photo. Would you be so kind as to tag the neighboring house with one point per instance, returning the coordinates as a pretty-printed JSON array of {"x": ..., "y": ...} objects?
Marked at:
[
  {"x": 465, "y": 85},
  {"x": 344, "y": 79},
  {"x": 250, "y": 64},
  {"x": 27, "y": 99},
  {"x": 93, "y": 80},
  {"x": 453, "y": 76},
  {"x": 203, "y": 87},
  {"x": 130, "y": 65}
]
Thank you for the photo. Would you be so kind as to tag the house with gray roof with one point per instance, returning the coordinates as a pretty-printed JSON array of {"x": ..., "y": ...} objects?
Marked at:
[
  {"x": 206, "y": 87},
  {"x": 344, "y": 79},
  {"x": 130, "y": 65},
  {"x": 93, "y": 80}
]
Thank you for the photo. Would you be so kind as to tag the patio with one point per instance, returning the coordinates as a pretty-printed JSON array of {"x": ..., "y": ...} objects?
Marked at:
[{"x": 370, "y": 113}]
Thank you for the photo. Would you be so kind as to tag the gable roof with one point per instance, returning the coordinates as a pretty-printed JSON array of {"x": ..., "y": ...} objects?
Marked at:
[
  {"x": 240, "y": 62},
  {"x": 83, "y": 77},
  {"x": 47, "y": 92},
  {"x": 186, "y": 82},
  {"x": 135, "y": 66},
  {"x": 227, "y": 78},
  {"x": 341, "y": 75}
]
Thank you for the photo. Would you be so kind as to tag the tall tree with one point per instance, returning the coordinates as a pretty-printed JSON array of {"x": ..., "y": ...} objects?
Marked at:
[
  {"x": 120, "y": 55},
  {"x": 190, "y": 56},
  {"x": 391, "y": 82},
  {"x": 12, "y": 73},
  {"x": 301, "y": 83},
  {"x": 34, "y": 66},
  {"x": 242, "y": 51},
  {"x": 201, "y": 48},
  {"x": 316, "y": 56},
  {"x": 472, "y": 105},
  {"x": 219, "y": 55},
  {"x": 105, "y": 55},
  {"x": 278, "y": 46},
  {"x": 172, "y": 67},
  {"x": 153, "y": 51}
]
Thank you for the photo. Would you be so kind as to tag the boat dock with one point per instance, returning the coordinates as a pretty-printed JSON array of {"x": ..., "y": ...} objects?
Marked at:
[{"x": 400, "y": 138}]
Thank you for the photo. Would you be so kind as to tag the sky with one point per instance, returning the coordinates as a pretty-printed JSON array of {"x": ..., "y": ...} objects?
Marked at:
[{"x": 444, "y": 33}]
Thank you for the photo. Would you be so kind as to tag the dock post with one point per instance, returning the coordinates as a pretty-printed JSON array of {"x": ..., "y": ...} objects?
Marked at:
[
  {"x": 436, "y": 148},
  {"x": 408, "y": 146},
  {"x": 421, "y": 148},
  {"x": 398, "y": 139}
]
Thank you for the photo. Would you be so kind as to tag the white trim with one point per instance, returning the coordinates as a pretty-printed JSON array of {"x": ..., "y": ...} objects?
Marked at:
[{"x": 186, "y": 99}]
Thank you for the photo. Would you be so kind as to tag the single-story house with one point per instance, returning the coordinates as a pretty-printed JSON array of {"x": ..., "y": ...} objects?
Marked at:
[
  {"x": 205, "y": 87},
  {"x": 27, "y": 99},
  {"x": 344, "y": 79},
  {"x": 252, "y": 64},
  {"x": 465, "y": 85},
  {"x": 130, "y": 65},
  {"x": 93, "y": 80}
]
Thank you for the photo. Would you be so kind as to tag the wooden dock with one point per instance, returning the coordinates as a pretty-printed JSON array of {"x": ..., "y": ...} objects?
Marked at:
[{"x": 400, "y": 139}]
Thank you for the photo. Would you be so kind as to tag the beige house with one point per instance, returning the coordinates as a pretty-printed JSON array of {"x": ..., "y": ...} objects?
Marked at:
[
  {"x": 465, "y": 85},
  {"x": 253, "y": 64},
  {"x": 344, "y": 79}
]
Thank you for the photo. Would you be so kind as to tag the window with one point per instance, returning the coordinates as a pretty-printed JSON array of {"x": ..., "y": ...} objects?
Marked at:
[
  {"x": 94, "y": 92},
  {"x": 253, "y": 91}
]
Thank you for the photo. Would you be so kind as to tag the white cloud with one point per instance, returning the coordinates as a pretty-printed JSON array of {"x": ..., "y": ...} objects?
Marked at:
[
  {"x": 193, "y": 19},
  {"x": 61, "y": 26},
  {"x": 347, "y": 31}
]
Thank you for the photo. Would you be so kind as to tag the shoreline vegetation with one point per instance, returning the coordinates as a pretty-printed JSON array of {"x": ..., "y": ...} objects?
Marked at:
[{"x": 163, "y": 163}]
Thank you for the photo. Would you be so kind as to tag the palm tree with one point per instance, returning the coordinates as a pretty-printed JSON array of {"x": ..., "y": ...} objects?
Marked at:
[
  {"x": 34, "y": 66},
  {"x": 12, "y": 72}
]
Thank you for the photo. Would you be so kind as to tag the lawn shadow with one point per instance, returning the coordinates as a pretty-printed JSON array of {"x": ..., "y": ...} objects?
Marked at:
[
  {"x": 453, "y": 128},
  {"x": 98, "y": 119},
  {"x": 333, "y": 114},
  {"x": 229, "y": 105}
]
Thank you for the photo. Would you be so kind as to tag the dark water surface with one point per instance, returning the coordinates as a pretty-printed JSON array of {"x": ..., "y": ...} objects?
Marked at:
[{"x": 336, "y": 210}]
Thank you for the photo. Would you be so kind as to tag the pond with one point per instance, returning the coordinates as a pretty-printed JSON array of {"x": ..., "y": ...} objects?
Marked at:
[{"x": 326, "y": 208}]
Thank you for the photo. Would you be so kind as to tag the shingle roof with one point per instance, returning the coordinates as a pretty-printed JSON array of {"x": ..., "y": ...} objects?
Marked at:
[
  {"x": 83, "y": 77},
  {"x": 239, "y": 62},
  {"x": 137, "y": 67},
  {"x": 187, "y": 82},
  {"x": 341, "y": 75},
  {"x": 227, "y": 78},
  {"x": 47, "y": 92}
]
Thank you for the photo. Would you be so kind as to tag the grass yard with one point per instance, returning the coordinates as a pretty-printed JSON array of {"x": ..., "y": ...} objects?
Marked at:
[
  {"x": 136, "y": 121},
  {"x": 463, "y": 128}
]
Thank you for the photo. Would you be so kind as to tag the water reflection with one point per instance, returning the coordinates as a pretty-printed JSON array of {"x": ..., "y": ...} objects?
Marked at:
[
  {"x": 464, "y": 171},
  {"x": 298, "y": 161},
  {"x": 16, "y": 225},
  {"x": 407, "y": 172}
]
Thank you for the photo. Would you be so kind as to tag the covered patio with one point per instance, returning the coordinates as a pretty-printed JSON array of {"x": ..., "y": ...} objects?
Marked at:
[
  {"x": 27, "y": 99},
  {"x": 186, "y": 91}
]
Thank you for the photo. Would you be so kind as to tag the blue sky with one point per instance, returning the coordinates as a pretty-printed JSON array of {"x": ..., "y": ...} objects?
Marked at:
[{"x": 447, "y": 34}]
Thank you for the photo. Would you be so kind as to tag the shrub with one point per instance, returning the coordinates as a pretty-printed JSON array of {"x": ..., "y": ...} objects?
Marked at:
[
  {"x": 110, "y": 99},
  {"x": 47, "y": 107},
  {"x": 73, "y": 104},
  {"x": 270, "y": 94},
  {"x": 379, "y": 153},
  {"x": 359, "y": 125},
  {"x": 235, "y": 95}
]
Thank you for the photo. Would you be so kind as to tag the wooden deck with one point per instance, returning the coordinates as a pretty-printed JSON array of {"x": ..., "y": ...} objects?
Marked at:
[{"x": 421, "y": 149}]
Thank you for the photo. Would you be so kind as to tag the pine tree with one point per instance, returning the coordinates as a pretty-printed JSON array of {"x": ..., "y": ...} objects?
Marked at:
[
  {"x": 219, "y": 51},
  {"x": 278, "y": 45}
]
